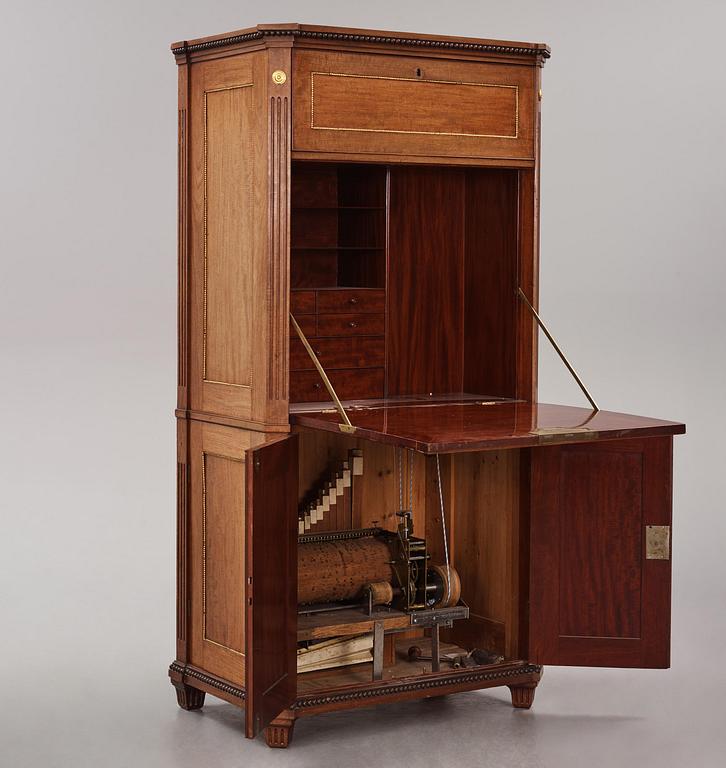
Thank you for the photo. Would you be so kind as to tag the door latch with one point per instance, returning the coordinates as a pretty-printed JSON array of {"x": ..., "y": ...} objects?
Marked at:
[{"x": 657, "y": 542}]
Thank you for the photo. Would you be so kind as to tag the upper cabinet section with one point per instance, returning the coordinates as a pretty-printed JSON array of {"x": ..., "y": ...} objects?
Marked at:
[
  {"x": 398, "y": 96},
  {"x": 412, "y": 106},
  {"x": 296, "y": 147}
]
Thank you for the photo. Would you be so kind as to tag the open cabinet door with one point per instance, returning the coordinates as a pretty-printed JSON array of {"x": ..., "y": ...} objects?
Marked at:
[
  {"x": 271, "y": 581},
  {"x": 600, "y": 572}
]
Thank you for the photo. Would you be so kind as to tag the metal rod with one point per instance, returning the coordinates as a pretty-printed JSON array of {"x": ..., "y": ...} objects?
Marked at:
[
  {"x": 346, "y": 426},
  {"x": 378, "y": 635},
  {"x": 556, "y": 346},
  {"x": 435, "y": 649}
]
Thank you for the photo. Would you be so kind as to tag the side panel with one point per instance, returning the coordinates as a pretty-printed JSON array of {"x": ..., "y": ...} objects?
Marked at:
[
  {"x": 596, "y": 599},
  {"x": 238, "y": 240},
  {"x": 483, "y": 538},
  {"x": 271, "y": 568},
  {"x": 216, "y": 545}
]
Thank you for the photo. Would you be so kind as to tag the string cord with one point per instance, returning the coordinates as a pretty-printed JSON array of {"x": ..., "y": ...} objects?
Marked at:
[
  {"x": 443, "y": 527},
  {"x": 410, "y": 479}
]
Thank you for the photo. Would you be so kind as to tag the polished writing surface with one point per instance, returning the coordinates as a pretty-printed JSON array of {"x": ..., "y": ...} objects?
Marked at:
[{"x": 441, "y": 427}]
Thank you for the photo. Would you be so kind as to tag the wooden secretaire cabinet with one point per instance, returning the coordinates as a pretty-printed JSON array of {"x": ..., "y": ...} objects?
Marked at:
[{"x": 358, "y": 219}]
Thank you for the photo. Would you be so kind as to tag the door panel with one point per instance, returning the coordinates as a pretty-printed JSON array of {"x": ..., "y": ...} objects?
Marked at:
[
  {"x": 271, "y": 601},
  {"x": 596, "y": 599},
  {"x": 407, "y": 105}
]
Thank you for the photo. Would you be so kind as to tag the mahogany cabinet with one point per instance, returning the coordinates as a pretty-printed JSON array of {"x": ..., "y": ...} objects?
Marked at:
[{"x": 383, "y": 188}]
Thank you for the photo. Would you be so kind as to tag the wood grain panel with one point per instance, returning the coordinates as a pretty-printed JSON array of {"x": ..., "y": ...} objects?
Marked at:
[
  {"x": 238, "y": 240},
  {"x": 486, "y": 510},
  {"x": 215, "y": 543},
  {"x": 528, "y": 280},
  {"x": 595, "y": 600},
  {"x": 601, "y": 531},
  {"x": 408, "y": 105},
  {"x": 229, "y": 248},
  {"x": 346, "y": 102},
  {"x": 223, "y": 550},
  {"x": 490, "y": 283},
  {"x": 426, "y": 281},
  {"x": 271, "y": 599}
]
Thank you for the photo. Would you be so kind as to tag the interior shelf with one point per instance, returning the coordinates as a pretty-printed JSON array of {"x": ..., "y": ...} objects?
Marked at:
[
  {"x": 352, "y": 621},
  {"x": 403, "y": 667},
  {"x": 338, "y": 208}
]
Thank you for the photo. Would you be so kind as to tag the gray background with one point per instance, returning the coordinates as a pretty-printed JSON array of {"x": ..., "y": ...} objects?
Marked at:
[{"x": 633, "y": 235}]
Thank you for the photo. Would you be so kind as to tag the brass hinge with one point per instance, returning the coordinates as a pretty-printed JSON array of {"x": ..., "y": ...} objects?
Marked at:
[{"x": 657, "y": 542}]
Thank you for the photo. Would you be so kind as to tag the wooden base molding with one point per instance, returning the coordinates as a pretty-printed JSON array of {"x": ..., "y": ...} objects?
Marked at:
[
  {"x": 521, "y": 678},
  {"x": 192, "y": 677}
]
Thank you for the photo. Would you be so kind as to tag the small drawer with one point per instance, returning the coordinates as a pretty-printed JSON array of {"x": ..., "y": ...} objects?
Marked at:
[
  {"x": 351, "y": 325},
  {"x": 307, "y": 325},
  {"x": 352, "y": 384},
  {"x": 352, "y": 300},
  {"x": 353, "y": 352},
  {"x": 302, "y": 302}
]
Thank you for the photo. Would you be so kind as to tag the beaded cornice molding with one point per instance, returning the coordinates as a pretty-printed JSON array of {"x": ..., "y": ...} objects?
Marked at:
[{"x": 356, "y": 37}]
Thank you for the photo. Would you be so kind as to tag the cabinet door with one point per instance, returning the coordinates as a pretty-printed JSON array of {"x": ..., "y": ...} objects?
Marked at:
[
  {"x": 600, "y": 570},
  {"x": 271, "y": 582}
]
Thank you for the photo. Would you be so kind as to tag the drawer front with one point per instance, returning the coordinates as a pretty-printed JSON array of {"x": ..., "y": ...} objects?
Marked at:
[
  {"x": 355, "y": 384},
  {"x": 307, "y": 325},
  {"x": 352, "y": 300},
  {"x": 351, "y": 324},
  {"x": 354, "y": 352},
  {"x": 302, "y": 302},
  {"x": 347, "y": 102}
]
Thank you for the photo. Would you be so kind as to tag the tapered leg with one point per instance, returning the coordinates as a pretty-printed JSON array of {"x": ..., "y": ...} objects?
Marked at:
[
  {"x": 522, "y": 695},
  {"x": 279, "y": 732},
  {"x": 187, "y": 697}
]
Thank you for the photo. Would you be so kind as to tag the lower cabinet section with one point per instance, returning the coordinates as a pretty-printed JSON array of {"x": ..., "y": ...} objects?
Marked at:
[
  {"x": 521, "y": 678},
  {"x": 325, "y": 571}
]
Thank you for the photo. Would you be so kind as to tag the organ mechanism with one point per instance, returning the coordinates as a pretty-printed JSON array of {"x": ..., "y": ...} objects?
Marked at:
[{"x": 380, "y": 573}]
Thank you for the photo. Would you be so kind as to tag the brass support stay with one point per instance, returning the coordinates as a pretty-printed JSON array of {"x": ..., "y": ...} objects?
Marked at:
[
  {"x": 557, "y": 349},
  {"x": 346, "y": 426}
]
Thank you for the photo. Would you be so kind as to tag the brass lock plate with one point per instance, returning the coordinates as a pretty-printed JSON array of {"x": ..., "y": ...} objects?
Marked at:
[{"x": 657, "y": 542}]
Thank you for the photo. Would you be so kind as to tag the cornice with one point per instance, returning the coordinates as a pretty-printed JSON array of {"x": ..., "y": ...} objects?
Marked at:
[{"x": 383, "y": 38}]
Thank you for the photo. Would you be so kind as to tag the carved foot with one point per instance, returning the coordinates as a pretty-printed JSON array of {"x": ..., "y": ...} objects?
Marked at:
[
  {"x": 278, "y": 733},
  {"x": 187, "y": 697},
  {"x": 522, "y": 695}
]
